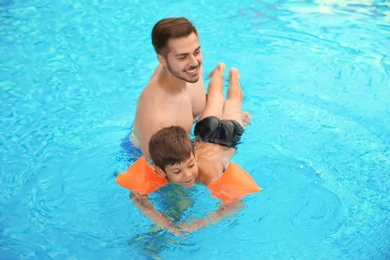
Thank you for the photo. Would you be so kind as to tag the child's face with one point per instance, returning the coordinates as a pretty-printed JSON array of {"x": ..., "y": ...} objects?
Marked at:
[{"x": 183, "y": 174}]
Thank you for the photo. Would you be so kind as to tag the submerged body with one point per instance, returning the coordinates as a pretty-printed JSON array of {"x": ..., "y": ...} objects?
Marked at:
[{"x": 212, "y": 161}]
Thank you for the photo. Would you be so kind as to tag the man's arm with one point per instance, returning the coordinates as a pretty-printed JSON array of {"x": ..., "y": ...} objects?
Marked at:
[
  {"x": 148, "y": 127},
  {"x": 148, "y": 130}
]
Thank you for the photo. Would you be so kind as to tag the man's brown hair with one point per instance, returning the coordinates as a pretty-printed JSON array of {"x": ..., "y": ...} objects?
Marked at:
[
  {"x": 169, "y": 28},
  {"x": 169, "y": 146}
]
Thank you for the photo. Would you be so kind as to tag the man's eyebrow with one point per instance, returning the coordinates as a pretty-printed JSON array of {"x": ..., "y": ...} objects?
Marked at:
[
  {"x": 186, "y": 53},
  {"x": 181, "y": 54}
]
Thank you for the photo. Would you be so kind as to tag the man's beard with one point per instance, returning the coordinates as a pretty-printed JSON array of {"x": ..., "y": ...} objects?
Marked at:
[{"x": 177, "y": 74}]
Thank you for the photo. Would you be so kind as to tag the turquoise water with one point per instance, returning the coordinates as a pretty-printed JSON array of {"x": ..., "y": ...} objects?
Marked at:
[{"x": 316, "y": 79}]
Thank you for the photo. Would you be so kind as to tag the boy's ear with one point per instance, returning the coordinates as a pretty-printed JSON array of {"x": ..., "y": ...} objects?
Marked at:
[
  {"x": 161, "y": 60},
  {"x": 159, "y": 171}
]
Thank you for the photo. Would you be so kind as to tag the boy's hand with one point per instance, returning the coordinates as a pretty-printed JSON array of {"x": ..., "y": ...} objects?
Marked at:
[{"x": 138, "y": 196}]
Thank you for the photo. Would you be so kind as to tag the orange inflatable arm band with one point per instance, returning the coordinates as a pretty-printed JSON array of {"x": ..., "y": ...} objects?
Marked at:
[
  {"x": 234, "y": 184},
  {"x": 140, "y": 177}
]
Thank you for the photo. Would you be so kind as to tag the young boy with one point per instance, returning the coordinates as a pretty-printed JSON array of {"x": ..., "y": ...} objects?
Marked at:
[
  {"x": 184, "y": 163},
  {"x": 217, "y": 132}
]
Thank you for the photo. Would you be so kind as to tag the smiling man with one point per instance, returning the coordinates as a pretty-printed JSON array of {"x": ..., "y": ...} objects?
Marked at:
[{"x": 175, "y": 94}]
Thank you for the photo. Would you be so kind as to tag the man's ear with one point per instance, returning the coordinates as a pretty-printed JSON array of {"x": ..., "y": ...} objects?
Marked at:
[
  {"x": 162, "y": 60},
  {"x": 159, "y": 171}
]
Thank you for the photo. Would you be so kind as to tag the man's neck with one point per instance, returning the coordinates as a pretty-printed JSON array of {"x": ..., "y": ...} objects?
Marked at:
[{"x": 170, "y": 82}]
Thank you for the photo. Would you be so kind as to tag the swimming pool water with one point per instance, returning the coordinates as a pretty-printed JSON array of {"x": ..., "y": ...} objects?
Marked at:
[{"x": 315, "y": 76}]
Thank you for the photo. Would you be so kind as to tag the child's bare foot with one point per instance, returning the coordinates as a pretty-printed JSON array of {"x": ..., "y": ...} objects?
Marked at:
[
  {"x": 246, "y": 118},
  {"x": 233, "y": 75},
  {"x": 218, "y": 70}
]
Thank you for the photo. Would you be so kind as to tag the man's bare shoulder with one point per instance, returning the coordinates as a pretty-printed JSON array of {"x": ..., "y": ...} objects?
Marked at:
[
  {"x": 151, "y": 99},
  {"x": 151, "y": 96},
  {"x": 153, "y": 107}
]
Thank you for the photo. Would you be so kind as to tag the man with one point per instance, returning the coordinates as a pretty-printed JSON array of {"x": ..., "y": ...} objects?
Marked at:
[{"x": 175, "y": 94}]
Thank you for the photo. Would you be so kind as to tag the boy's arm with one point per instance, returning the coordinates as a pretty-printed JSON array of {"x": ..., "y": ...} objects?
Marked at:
[
  {"x": 147, "y": 209},
  {"x": 223, "y": 210}
]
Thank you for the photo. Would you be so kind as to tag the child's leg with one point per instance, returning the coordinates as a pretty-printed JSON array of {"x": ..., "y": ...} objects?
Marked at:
[
  {"x": 234, "y": 90},
  {"x": 232, "y": 108},
  {"x": 215, "y": 100}
]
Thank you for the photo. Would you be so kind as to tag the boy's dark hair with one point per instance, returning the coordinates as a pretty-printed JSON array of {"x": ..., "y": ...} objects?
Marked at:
[
  {"x": 169, "y": 28},
  {"x": 169, "y": 146}
]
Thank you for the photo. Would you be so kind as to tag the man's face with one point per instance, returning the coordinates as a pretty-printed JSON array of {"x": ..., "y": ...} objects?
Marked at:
[
  {"x": 183, "y": 174},
  {"x": 184, "y": 60}
]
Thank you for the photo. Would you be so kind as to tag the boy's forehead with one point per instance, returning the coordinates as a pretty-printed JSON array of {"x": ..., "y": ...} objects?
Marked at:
[{"x": 191, "y": 159}]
